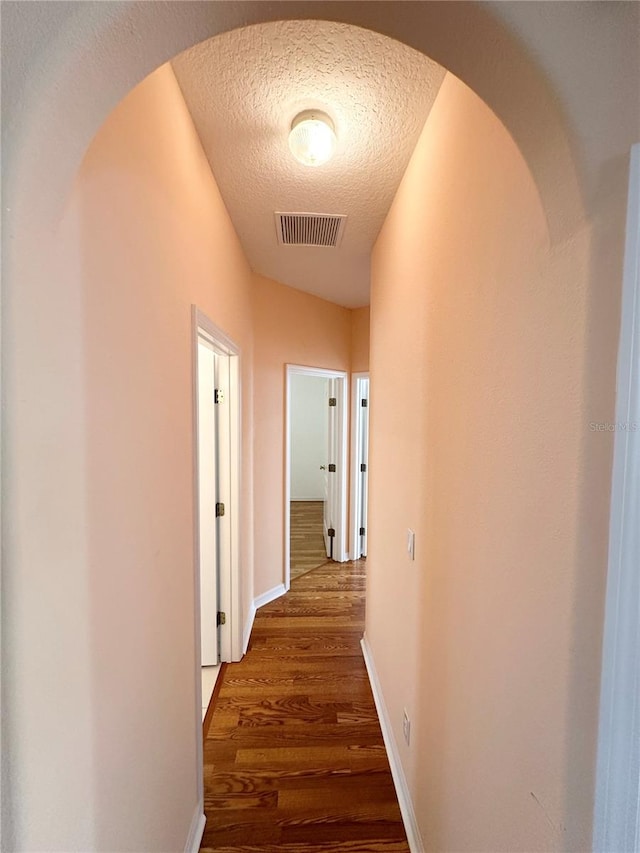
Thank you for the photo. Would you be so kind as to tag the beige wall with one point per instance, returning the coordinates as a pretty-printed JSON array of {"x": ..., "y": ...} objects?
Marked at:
[
  {"x": 290, "y": 327},
  {"x": 144, "y": 236},
  {"x": 360, "y": 319},
  {"x": 155, "y": 238},
  {"x": 478, "y": 335}
]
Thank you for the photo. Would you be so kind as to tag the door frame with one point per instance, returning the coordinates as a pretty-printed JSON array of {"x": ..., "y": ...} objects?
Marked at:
[
  {"x": 209, "y": 453},
  {"x": 617, "y": 802},
  {"x": 230, "y": 580},
  {"x": 340, "y": 553},
  {"x": 356, "y": 455}
]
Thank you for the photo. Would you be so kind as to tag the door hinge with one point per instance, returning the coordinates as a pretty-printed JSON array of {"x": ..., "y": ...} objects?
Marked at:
[
  {"x": 331, "y": 532},
  {"x": 221, "y": 619},
  {"x": 332, "y": 467},
  {"x": 363, "y": 466},
  {"x": 362, "y": 531},
  {"x": 364, "y": 403},
  {"x": 333, "y": 401},
  {"x": 218, "y": 395},
  {"x": 219, "y": 510}
]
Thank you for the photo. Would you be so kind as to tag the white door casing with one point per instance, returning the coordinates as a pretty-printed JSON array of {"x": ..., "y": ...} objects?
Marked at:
[
  {"x": 359, "y": 457},
  {"x": 339, "y": 412},
  {"x": 330, "y": 509},
  {"x": 364, "y": 460},
  {"x": 326, "y": 523},
  {"x": 228, "y": 413},
  {"x": 226, "y": 368}
]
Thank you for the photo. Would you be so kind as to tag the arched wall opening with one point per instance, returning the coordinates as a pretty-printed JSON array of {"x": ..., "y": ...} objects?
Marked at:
[
  {"x": 99, "y": 53},
  {"x": 60, "y": 316}
]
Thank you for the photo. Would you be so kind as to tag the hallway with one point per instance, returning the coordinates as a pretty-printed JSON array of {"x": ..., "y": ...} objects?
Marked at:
[
  {"x": 294, "y": 758},
  {"x": 470, "y": 244},
  {"x": 307, "y": 542}
]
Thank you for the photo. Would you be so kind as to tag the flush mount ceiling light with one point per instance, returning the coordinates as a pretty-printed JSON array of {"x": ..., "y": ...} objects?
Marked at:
[{"x": 312, "y": 139}]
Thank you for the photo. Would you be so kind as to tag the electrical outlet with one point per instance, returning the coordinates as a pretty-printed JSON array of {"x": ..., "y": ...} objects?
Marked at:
[
  {"x": 411, "y": 544},
  {"x": 406, "y": 726}
]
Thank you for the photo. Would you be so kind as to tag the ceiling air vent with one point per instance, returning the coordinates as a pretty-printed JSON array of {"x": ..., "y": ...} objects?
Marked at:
[{"x": 310, "y": 229}]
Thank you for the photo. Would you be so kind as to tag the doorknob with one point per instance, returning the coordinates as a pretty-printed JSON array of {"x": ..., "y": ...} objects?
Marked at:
[{"x": 323, "y": 467}]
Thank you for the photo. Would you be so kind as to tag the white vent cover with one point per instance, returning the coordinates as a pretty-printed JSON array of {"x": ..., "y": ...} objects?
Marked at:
[{"x": 310, "y": 229}]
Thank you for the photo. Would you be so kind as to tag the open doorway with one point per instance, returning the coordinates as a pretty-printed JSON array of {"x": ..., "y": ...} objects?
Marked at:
[
  {"x": 217, "y": 480},
  {"x": 316, "y": 469},
  {"x": 213, "y": 530}
]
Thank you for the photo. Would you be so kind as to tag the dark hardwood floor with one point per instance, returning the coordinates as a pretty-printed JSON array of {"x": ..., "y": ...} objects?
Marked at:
[
  {"x": 294, "y": 758},
  {"x": 306, "y": 536}
]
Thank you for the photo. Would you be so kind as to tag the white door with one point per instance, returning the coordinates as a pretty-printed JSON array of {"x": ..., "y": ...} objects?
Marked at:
[
  {"x": 331, "y": 472},
  {"x": 363, "y": 445},
  {"x": 207, "y": 499},
  {"x": 223, "y": 518}
]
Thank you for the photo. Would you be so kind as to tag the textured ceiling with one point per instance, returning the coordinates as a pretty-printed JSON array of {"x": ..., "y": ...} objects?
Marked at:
[{"x": 244, "y": 87}]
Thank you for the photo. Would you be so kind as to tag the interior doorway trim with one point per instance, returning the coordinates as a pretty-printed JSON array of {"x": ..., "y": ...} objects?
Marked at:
[
  {"x": 617, "y": 810},
  {"x": 358, "y": 453},
  {"x": 230, "y": 579},
  {"x": 341, "y": 376}
]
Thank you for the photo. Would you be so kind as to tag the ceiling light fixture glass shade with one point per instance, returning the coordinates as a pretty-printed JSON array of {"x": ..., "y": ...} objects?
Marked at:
[{"x": 312, "y": 139}]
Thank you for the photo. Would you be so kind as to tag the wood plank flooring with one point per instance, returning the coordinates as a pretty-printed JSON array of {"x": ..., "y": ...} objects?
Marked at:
[
  {"x": 294, "y": 758},
  {"x": 307, "y": 549}
]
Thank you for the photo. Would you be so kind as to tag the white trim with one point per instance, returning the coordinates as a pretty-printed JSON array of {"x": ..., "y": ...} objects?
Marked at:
[
  {"x": 248, "y": 627},
  {"x": 231, "y": 593},
  {"x": 356, "y": 414},
  {"x": 218, "y": 337},
  {"x": 414, "y": 838},
  {"x": 266, "y": 598},
  {"x": 269, "y": 596},
  {"x": 198, "y": 822},
  {"x": 341, "y": 546},
  {"x": 202, "y": 326},
  {"x": 196, "y": 583},
  {"x": 617, "y": 809},
  {"x": 342, "y": 534}
]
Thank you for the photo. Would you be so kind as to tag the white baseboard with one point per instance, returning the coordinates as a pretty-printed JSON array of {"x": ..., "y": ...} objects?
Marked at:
[
  {"x": 260, "y": 601},
  {"x": 246, "y": 635},
  {"x": 196, "y": 831},
  {"x": 414, "y": 838},
  {"x": 269, "y": 596}
]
